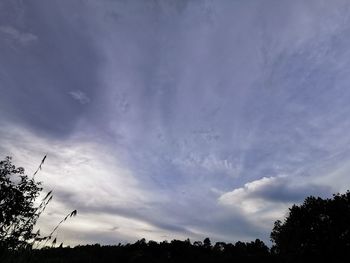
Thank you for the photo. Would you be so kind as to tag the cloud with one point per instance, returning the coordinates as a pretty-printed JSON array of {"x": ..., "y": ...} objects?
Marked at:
[
  {"x": 192, "y": 110},
  {"x": 85, "y": 176},
  {"x": 40, "y": 76},
  {"x": 276, "y": 189},
  {"x": 80, "y": 96},
  {"x": 265, "y": 200},
  {"x": 15, "y": 35}
]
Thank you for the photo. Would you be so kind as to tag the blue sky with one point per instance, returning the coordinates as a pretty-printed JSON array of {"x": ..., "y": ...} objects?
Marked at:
[{"x": 175, "y": 119}]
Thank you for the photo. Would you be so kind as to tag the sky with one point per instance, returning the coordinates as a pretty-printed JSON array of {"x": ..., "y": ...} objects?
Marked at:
[{"x": 175, "y": 119}]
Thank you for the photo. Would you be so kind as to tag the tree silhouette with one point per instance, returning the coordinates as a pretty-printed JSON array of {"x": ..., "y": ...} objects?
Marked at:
[
  {"x": 207, "y": 243},
  {"x": 318, "y": 228},
  {"x": 20, "y": 209},
  {"x": 18, "y": 214}
]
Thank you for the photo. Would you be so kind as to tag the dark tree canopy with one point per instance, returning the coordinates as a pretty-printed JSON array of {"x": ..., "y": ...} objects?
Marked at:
[
  {"x": 152, "y": 251},
  {"x": 18, "y": 213},
  {"x": 317, "y": 228},
  {"x": 20, "y": 209}
]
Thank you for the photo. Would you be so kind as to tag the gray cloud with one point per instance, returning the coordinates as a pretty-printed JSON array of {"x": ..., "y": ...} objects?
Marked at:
[
  {"x": 277, "y": 189},
  {"x": 40, "y": 75},
  {"x": 79, "y": 96},
  {"x": 192, "y": 98},
  {"x": 15, "y": 35},
  {"x": 144, "y": 212},
  {"x": 263, "y": 201}
]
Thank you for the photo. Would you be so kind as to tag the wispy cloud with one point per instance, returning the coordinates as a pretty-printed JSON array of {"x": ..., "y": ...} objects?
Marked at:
[
  {"x": 80, "y": 96},
  {"x": 14, "y": 34}
]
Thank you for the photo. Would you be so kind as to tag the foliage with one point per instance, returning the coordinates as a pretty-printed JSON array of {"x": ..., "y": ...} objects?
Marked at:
[
  {"x": 19, "y": 209},
  {"x": 318, "y": 228},
  {"x": 152, "y": 251},
  {"x": 18, "y": 213}
]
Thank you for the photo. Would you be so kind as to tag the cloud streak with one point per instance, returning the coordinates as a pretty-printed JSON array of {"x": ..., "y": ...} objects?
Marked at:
[
  {"x": 15, "y": 35},
  {"x": 80, "y": 96}
]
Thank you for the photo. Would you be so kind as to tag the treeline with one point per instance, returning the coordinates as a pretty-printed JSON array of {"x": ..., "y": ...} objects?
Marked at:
[
  {"x": 318, "y": 230},
  {"x": 151, "y": 251}
]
